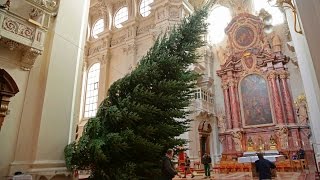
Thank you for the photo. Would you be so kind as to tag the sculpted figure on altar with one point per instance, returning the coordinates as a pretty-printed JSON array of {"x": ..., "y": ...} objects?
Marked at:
[
  {"x": 276, "y": 44},
  {"x": 301, "y": 110},
  {"x": 250, "y": 145},
  {"x": 221, "y": 122},
  {"x": 272, "y": 143},
  {"x": 282, "y": 134},
  {"x": 260, "y": 144},
  {"x": 237, "y": 139},
  {"x": 265, "y": 45}
]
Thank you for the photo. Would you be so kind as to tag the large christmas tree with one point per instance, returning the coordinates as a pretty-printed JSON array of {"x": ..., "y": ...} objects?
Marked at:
[{"x": 144, "y": 112}]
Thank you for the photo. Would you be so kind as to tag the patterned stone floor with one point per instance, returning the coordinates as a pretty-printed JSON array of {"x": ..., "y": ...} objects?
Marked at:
[{"x": 247, "y": 176}]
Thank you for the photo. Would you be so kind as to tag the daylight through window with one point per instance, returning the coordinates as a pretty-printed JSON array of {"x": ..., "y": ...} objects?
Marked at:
[
  {"x": 145, "y": 7},
  {"x": 120, "y": 17},
  {"x": 92, "y": 91}
]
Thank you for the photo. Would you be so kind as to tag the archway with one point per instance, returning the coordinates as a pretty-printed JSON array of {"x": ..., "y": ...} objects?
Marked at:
[{"x": 205, "y": 130}]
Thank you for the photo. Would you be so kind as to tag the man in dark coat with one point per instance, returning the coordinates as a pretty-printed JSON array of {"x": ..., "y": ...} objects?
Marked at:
[
  {"x": 263, "y": 167},
  {"x": 168, "y": 171},
  {"x": 206, "y": 160}
]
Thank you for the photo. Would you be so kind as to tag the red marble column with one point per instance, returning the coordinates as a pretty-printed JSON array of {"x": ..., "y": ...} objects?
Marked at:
[
  {"x": 276, "y": 97},
  {"x": 234, "y": 105},
  {"x": 238, "y": 104},
  {"x": 227, "y": 104},
  {"x": 287, "y": 96}
]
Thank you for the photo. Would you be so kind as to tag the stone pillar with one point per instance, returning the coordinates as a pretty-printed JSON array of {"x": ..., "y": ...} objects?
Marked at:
[
  {"x": 275, "y": 97},
  {"x": 227, "y": 105},
  {"x": 283, "y": 74},
  {"x": 307, "y": 51},
  {"x": 234, "y": 105},
  {"x": 102, "y": 78},
  {"x": 53, "y": 125}
]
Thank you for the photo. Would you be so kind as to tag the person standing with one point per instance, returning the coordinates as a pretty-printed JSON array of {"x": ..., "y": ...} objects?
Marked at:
[
  {"x": 263, "y": 167},
  {"x": 187, "y": 167},
  {"x": 168, "y": 171},
  {"x": 206, "y": 160}
]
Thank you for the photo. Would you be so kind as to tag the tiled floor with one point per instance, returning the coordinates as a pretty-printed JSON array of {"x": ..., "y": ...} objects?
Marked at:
[{"x": 247, "y": 176}]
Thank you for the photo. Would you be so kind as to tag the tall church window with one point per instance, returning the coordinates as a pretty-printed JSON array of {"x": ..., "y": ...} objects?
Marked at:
[
  {"x": 120, "y": 17},
  {"x": 92, "y": 91},
  {"x": 98, "y": 28},
  {"x": 277, "y": 15},
  {"x": 218, "y": 20},
  {"x": 145, "y": 7}
]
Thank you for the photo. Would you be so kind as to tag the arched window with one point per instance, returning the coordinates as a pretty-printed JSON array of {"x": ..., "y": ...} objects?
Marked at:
[
  {"x": 277, "y": 15},
  {"x": 120, "y": 17},
  {"x": 145, "y": 7},
  {"x": 98, "y": 27},
  {"x": 90, "y": 108},
  {"x": 218, "y": 21}
]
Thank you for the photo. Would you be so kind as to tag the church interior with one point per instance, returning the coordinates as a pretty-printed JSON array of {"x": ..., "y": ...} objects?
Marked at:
[{"x": 258, "y": 90}]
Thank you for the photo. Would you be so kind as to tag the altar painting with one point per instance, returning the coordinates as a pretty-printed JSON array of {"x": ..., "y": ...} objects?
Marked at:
[{"x": 256, "y": 108}]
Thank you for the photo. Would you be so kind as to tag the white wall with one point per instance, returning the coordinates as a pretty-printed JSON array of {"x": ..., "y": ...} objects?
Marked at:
[
  {"x": 44, "y": 113},
  {"x": 10, "y": 128}
]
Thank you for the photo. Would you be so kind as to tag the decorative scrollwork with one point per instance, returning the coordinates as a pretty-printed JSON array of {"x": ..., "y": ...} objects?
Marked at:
[
  {"x": 18, "y": 28},
  {"x": 10, "y": 25}
]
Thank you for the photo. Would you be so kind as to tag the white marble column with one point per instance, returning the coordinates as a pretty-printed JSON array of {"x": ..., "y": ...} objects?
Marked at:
[
  {"x": 306, "y": 63},
  {"x": 60, "y": 111}
]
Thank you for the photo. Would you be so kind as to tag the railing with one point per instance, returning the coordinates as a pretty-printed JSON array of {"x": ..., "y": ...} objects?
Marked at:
[{"x": 203, "y": 100}]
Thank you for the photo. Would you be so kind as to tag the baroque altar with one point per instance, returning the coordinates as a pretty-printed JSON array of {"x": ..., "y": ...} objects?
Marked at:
[{"x": 259, "y": 110}]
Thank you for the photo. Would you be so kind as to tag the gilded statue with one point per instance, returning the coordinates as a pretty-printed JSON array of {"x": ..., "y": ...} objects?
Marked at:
[
  {"x": 272, "y": 143},
  {"x": 250, "y": 144},
  {"x": 301, "y": 110}
]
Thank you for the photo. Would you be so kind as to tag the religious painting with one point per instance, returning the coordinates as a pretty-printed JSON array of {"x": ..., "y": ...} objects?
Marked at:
[
  {"x": 256, "y": 109},
  {"x": 244, "y": 36}
]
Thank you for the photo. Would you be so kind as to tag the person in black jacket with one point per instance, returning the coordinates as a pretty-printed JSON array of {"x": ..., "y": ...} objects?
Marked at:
[
  {"x": 263, "y": 167},
  {"x": 206, "y": 161},
  {"x": 168, "y": 171}
]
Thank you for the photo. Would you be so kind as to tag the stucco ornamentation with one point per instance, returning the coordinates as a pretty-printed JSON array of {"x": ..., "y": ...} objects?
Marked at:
[
  {"x": 18, "y": 28},
  {"x": 237, "y": 139},
  {"x": 28, "y": 58}
]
